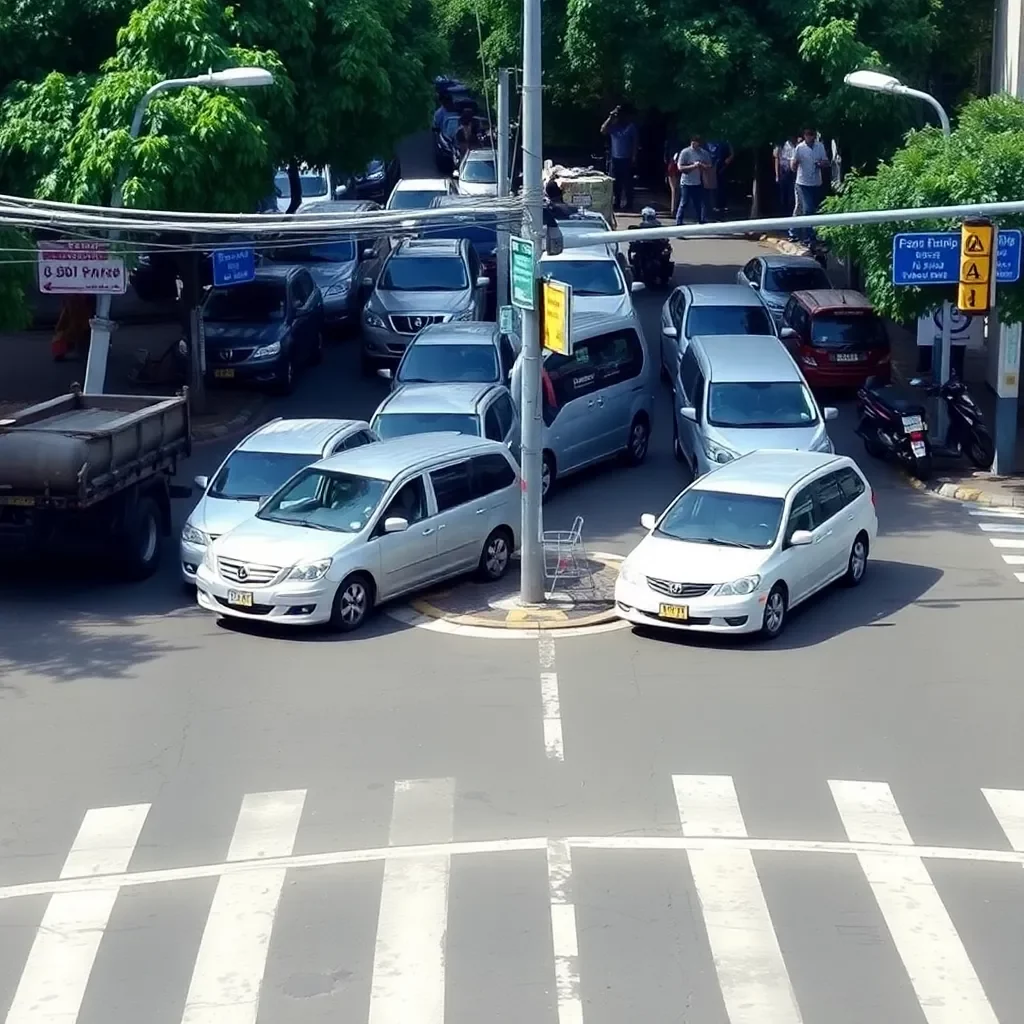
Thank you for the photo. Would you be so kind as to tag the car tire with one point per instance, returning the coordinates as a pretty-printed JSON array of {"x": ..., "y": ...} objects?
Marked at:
[
  {"x": 857, "y": 564},
  {"x": 496, "y": 555},
  {"x": 639, "y": 441},
  {"x": 285, "y": 383},
  {"x": 677, "y": 445},
  {"x": 140, "y": 556},
  {"x": 352, "y": 603},
  {"x": 776, "y": 607},
  {"x": 548, "y": 474}
]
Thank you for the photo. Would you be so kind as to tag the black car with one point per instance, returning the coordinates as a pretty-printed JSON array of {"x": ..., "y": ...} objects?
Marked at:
[
  {"x": 375, "y": 183},
  {"x": 266, "y": 330},
  {"x": 469, "y": 222}
]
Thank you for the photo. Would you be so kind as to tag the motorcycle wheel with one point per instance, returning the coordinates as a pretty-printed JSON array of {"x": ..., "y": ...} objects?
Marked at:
[
  {"x": 874, "y": 448},
  {"x": 981, "y": 449},
  {"x": 922, "y": 467}
]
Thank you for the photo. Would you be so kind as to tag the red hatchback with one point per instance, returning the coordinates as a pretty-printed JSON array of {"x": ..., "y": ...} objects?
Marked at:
[{"x": 839, "y": 339}]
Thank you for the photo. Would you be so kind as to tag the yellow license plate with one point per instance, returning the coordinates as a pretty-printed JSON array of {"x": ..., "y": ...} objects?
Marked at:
[
  {"x": 18, "y": 500},
  {"x": 679, "y": 612},
  {"x": 240, "y": 598},
  {"x": 224, "y": 374}
]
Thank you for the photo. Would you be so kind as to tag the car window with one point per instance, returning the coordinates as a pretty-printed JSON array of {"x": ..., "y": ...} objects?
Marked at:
[
  {"x": 401, "y": 424},
  {"x": 802, "y": 515},
  {"x": 410, "y": 199},
  {"x": 698, "y": 393},
  {"x": 796, "y": 279},
  {"x": 440, "y": 364},
  {"x": 722, "y": 518},
  {"x": 424, "y": 274},
  {"x": 506, "y": 413},
  {"x": 409, "y": 503},
  {"x": 587, "y": 277},
  {"x": 617, "y": 357},
  {"x": 356, "y": 440},
  {"x": 850, "y": 483},
  {"x": 761, "y": 404},
  {"x": 688, "y": 370},
  {"x": 492, "y": 424},
  {"x": 322, "y": 500},
  {"x": 508, "y": 355},
  {"x": 571, "y": 376},
  {"x": 830, "y": 496},
  {"x": 851, "y": 330},
  {"x": 752, "y": 271},
  {"x": 451, "y": 486},
  {"x": 248, "y": 476},
  {"x": 302, "y": 288},
  {"x": 254, "y": 302},
  {"x": 339, "y": 250},
  {"x": 728, "y": 320},
  {"x": 479, "y": 172},
  {"x": 491, "y": 473}
]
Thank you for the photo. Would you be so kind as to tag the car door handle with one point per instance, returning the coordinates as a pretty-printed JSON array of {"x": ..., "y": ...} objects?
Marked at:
[
  {"x": 590, "y": 404},
  {"x": 600, "y": 401},
  {"x": 429, "y": 530},
  {"x": 480, "y": 511},
  {"x": 850, "y": 518},
  {"x": 441, "y": 527}
]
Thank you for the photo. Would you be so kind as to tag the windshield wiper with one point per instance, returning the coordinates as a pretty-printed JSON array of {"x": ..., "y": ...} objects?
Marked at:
[
  {"x": 239, "y": 497},
  {"x": 298, "y": 522},
  {"x": 769, "y": 424},
  {"x": 726, "y": 543}
]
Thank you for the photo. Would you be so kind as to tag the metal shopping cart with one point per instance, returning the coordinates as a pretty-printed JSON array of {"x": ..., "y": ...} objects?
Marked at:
[{"x": 566, "y": 559}]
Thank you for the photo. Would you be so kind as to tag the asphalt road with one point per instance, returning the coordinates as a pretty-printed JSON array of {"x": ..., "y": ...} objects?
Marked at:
[{"x": 880, "y": 717}]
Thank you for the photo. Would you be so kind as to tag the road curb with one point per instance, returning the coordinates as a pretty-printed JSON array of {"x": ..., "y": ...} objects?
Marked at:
[
  {"x": 520, "y": 618},
  {"x": 957, "y": 492},
  {"x": 229, "y": 428}
]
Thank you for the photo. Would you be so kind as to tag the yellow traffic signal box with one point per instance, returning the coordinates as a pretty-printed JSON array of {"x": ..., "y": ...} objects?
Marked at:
[{"x": 976, "y": 252}]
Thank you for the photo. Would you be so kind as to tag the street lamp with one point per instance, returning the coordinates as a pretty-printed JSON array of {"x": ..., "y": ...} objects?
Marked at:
[
  {"x": 878, "y": 81},
  {"x": 101, "y": 325}
]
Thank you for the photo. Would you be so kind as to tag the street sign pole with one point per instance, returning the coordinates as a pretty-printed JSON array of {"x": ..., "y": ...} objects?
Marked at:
[
  {"x": 531, "y": 588},
  {"x": 942, "y": 355},
  {"x": 504, "y": 109}
]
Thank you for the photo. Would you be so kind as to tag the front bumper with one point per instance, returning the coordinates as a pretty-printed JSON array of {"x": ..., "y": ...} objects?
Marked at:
[
  {"x": 384, "y": 345},
  {"x": 191, "y": 557},
  {"x": 845, "y": 375},
  {"x": 341, "y": 309},
  {"x": 260, "y": 371},
  {"x": 638, "y": 604},
  {"x": 286, "y": 603}
]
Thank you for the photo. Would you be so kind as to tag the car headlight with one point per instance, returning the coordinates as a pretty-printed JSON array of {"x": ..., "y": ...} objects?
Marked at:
[
  {"x": 631, "y": 574},
  {"x": 718, "y": 453},
  {"x": 466, "y": 314},
  {"x": 308, "y": 572},
  {"x": 371, "y": 319},
  {"x": 824, "y": 444},
  {"x": 190, "y": 535},
  {"x": 375, "y": 175},
  {"x": 738, "y": 588},
  {"x": 266, "y": 351},
  {"x": 339, "y": 290}
]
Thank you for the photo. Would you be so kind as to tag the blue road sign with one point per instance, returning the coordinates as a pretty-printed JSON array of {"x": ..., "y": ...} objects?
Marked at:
[
  {"x": 236, "y": 266},
  {"x": 933, "y": 257}
]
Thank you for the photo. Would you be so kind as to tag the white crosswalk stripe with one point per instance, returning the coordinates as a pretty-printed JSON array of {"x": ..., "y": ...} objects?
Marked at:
[
  {"x": 722, "y": 901},
  {"x": 1009, "y": 522}
]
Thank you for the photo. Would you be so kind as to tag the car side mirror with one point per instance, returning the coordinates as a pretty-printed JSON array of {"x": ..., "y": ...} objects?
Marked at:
[
  {"x": 340, "y": 191},
  {"x": 688, "y": 413},
  {"x": 483, "y": 281},
  {"x": 648, "y": 521},
  {"x": 385, "y": 374},
  {"x": 368, "y": 282},
  {"x": 788, "y": 334},
  {"x": 396, "y": 524},
  {"x": 830, "y": 412},
  {"x": 756, "y": 285},
  {"x": 202, "y": 482},
  {"x": 670, "y": 332},
  {"x": 916, "y": 381},
  {"x": 367, "y": 254},
  {"x": 801, "y": 538},
  {"x": 637, "y": 286}
]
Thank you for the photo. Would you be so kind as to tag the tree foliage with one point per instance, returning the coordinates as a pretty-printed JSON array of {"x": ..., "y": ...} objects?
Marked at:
[{"x": 982, "y": 162}]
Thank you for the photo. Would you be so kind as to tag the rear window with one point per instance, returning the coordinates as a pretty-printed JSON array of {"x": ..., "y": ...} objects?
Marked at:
[
  {"x": 253, "y": 302},
  {"x": 795, "y": 279},
  {"x": 402, "y": 424},
  {"x": 424, "y": 274},
  {"x": 482, "y": 234},
  {"x": 845, "y": 330},
  {"x": 479, "y": 172},
  {"x": 728, "y": 320},
  {"x": 439, "y": 364}
]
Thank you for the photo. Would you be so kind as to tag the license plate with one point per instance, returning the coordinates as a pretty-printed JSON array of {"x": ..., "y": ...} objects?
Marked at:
[
  {"x": 17, "y": 500},
  {"x": 240, "y": 598},
  {"x": 224, "y": 374},
  {"x": 918, "y": 448},
  {"x": 679, "y": 612},
  {"x": 847, "y": 357},
  {"x": 913, "y": 423}
]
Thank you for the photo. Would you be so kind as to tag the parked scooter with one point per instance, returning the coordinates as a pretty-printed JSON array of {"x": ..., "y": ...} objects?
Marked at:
[
  {"x": 651, "y": 262},
  {"x": 893, "y": 425}
]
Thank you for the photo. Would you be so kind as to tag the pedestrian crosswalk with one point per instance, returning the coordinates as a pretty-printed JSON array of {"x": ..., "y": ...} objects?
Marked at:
[
  {"x": 556, "y": 933},
  {"x": 1004, "y": 528}
]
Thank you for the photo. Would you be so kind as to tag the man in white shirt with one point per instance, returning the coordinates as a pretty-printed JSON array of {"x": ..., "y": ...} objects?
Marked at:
[
  {"x": 782, "y": 156},
  {"x": 809, "y": 159}
]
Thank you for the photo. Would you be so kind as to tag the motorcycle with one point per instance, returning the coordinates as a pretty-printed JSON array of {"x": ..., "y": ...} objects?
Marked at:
[
  {"x": 893, "y": 425},
  {"x": 651, "y": 262}
]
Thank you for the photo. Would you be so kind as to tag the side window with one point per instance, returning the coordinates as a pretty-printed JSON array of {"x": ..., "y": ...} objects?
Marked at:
[
  {"x": 802, "y": 515},
  {"x": 492, "y": 424},
  {"x": 698, "y": 394},
  {"x": 491, "y": 473},
  {"x": 410, "y": 503},
  {"x": 507, "y": 354},
  {"x": 474, "y": 265},
  {"x": 506, "y": 413},
  {"x": 302, "y": 288},
  {"x": 617, "y": 357},
  {"x": 689, "y": 368},
  {"x": 830, "y": 497},
  {"x": 451, "y": 485},
  {"x": 752, "y": 271},
  {"x": 675, "y": 308},
  {"x": 850, "y": 484},
  {"x": 789, "y": 313},
  {"x": 572, "y": 376}
]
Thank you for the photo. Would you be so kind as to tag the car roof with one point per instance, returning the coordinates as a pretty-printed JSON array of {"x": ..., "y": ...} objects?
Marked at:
[
  {"x": 335, "y": 206},
  {"x": 276, "y": 272},
  {"x": 387, "y": 459},
  {"x": 783, "y": 259},
  {"x": 428, "y": 247},
  {"x": 818, "y": 300},
  {"x": 585, "y": 253},
  {"x": 460, "y": 397},
  {"x": 298, "y": 436},
  {"x": 472, "y": 332},
  {"x": 722, "y": 295},
  {"x": 740, "y": 358},
  {"x": 767, "y": 472},
  {"x": 422, "y": 185}
]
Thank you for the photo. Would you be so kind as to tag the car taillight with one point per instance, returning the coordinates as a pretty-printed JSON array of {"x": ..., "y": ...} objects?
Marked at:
[{"x": 916, "y": 435}]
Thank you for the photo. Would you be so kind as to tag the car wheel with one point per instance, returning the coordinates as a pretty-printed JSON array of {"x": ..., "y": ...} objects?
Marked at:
[
  {"x": 775, "y": 608},
  {"x": 352, "y": 603},
  {"x": 677, "y": 445},
  {"x": 141, "y": 540},
  {"x": 547, "y": 475},
  {"x": 639, "y": 441},
  {"x": 285, "y": 384},
  {"x": 496, "y": 555},
  {"x": 858, "y": 561}
]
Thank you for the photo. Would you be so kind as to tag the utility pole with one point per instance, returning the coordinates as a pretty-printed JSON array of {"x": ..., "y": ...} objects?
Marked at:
[
  {"x": 531, "y": 589},
  {"x": 504, "y": 78}
]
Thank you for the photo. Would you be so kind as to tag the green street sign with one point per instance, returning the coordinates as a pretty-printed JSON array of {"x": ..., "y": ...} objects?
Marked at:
[{"x": 522, "y": 261}]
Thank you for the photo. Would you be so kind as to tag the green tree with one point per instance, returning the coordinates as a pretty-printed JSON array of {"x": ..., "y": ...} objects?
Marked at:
[{"x": 982, "y": 162}]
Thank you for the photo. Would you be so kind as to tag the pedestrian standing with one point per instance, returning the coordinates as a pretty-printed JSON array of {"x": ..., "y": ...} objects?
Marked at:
[
  {"x": 809, "y": 160},
  {"x": 625, "y": 140},
  {"x": 671, "y": 154},
  {"x": 721, "y": 158},
  {"x": 693, "y": 162},
  {"x": 782, "y": 157}
]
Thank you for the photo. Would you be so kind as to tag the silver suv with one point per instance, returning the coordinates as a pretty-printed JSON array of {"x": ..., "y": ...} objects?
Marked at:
[{"x": 423, "y": 281}]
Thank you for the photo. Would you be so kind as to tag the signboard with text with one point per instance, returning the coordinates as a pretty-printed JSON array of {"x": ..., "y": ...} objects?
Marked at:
[
  {"x": 556, "y": 317},
  {"x": 933, "y": 257},
  {"x": 80, "y": 268},
  {"x": 233, "y": 266},
  {"x": 522, "y": 271}
]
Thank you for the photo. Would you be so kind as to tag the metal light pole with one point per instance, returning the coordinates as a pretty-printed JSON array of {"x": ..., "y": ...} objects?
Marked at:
[
  {"x": 101, "y": 325},
  {"x": 504, "y": 79},
  {"x": 531, "y": 589},
  {"x": 877, "y": 81}
]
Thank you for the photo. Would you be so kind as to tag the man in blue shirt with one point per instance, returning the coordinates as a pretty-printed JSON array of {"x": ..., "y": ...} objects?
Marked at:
[{"x": 624, "y": 138}]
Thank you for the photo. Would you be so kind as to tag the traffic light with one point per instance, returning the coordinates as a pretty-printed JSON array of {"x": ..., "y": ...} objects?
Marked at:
[{"x": 976, "y": 255}]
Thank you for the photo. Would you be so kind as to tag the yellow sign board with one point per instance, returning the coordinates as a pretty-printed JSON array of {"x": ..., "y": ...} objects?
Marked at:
[
  {"x": 976, "y": 249},
  {"x": 975, "y": 241},
  {"x": 975, "y": 271},
  {"x": 557, "y": 312},
  {"x": 972, "y": 298}
]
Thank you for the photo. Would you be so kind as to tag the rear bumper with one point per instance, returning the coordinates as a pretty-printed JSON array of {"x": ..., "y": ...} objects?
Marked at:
[{"x": 843, "y": 375}]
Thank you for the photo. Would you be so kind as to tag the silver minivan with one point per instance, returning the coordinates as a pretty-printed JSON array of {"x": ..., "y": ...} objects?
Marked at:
[
  {"x": 739, "y": 393},
  {"x": 597, "y": 402}
]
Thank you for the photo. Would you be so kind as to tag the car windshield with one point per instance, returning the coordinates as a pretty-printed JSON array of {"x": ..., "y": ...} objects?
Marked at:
[
  {"x": 253, "y": 302},
  {"x": 410, "y": 199},
  {"x": 720, "y": 517},
  {"x": 481, "y": 234},
  {"x": 326, "y": 501},
  {"x": 342, "y": 250},
  {"x": 586, "y": 277},
  {"x": 424, "y": 274},
  {"x": 438, "y": 364},
  {"x": 251, "y": 476},
  {"x": 479, "y": 172},
  {"x": 761, "y": 404},
  {"x": 728, "y": 320},
  {"x": 313, "y": 185},
  {"x": 795, "y": 279},
  {"x": 402, "y": 424},
  {"x": 838, "y": 330}
]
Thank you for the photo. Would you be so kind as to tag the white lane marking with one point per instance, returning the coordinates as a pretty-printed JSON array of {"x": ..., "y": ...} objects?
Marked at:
[
  {"x": 1020, "y": 576},
  {"x": 937, "y": 964},
  {"x": 1013, "y": 559},
  {"x": 999, "y": 512},
  {"x": 228, "y": 972},
  {"x": 751, "y": 972},
  {"x": 57, "y": 971},
  {"x": 409, "y": 956},
  {"x": 552, "y": 712},
  {"x": 1001, "y": 527},
  {"x": 563, "y": 933},
  {"x": 332, "y": 858},
  {"x": 1005, "y": 542},
  {"x": 1008, "y": 807}
]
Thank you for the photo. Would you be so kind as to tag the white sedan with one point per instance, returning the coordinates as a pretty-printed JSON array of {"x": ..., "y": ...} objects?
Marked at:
[
  {"x": 597, "y": 281},
  {"x": 477, "y": 175},
  {"x": 742, "y": 546}
]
